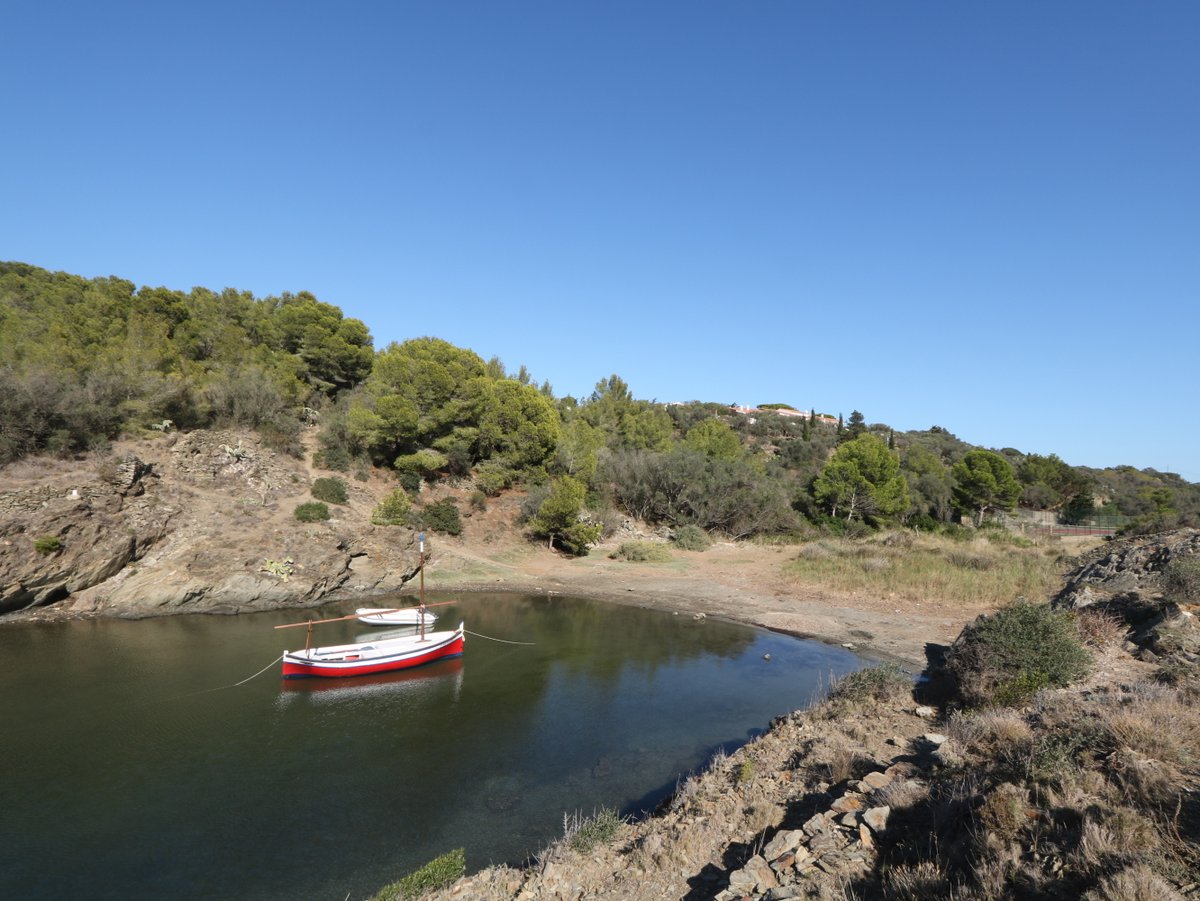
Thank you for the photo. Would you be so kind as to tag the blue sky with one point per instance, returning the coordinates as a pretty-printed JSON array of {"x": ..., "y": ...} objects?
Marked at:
[{"x": 980, "y": 215}]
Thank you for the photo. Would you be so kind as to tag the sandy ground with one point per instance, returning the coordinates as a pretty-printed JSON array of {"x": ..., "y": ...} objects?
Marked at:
[{"x": 743, "y": 582}]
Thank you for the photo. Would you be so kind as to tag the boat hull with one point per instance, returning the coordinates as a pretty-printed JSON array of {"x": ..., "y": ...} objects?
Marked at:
[{"x": 343, "y": 661}]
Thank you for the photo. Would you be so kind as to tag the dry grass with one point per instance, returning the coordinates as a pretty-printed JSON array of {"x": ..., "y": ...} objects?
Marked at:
[
  {"x": 1157, "y": 723},
  {"x": 1099, "y": 629},
  {"x": 990, "y": 732},
  {"x": 983, "y": 571},
  {"x": 1136, "y": 883}
]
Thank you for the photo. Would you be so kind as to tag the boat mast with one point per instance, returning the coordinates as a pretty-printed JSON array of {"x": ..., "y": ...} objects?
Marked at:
[{"x": 421, "y": 569}]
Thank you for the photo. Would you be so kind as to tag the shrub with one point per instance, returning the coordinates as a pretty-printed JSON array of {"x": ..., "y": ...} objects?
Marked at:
[
  {"x": 642, "y": 552},
  {"x": 313, "y": 511},
  {"x": 440, "y": 872},
  {"x": 336, "y": 458},
  {"x": 492, "y": 477},
  {"x": 599, "y": 829},
  {"x": 1006, "y": 657},
  {"x": 478, "y": 500},
  {"x": 47, "y": 544},
  {"x": 874, "y": 685},
  {"x": 744, "y": 772},
  {"x": 691, "y": 538},
  {"x": 283, "y": 434},
  {"x": 441, "y": 516},
  {"x": 331, "y": 490},
  {"x": 1181, "y": 580},
  {"x": 409, "y": 481},
  {"x": 393, "y": 509}
]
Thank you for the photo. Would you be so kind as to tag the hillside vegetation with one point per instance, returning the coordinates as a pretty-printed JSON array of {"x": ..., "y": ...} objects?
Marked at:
[{"x": 86, "y": 361}]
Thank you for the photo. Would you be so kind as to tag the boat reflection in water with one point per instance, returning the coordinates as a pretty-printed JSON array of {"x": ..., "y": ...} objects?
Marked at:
[{"x": 407, "y": 684}]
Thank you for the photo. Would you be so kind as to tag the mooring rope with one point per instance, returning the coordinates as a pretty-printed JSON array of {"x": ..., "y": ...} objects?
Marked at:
[
  {"x": 501, "y": 640},
  {"x": 205, "y": 691},
  {"x": 256, "y": 675}
]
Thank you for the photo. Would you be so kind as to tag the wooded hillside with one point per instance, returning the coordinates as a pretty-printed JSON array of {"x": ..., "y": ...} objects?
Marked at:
[{"x": 85, "y": 360}]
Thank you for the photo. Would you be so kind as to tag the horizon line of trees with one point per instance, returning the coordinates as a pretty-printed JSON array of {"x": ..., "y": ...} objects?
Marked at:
[{"x": 84, "y": 360}]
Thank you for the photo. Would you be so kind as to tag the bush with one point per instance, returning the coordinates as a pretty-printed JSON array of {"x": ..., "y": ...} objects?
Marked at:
[
  {"x": 478, "y": 500},
  {"x": 440, "y": 872},
  {"x": 491, "y": 477},
  {"x": 393, "y": 509},
  {"x": 47, "y": 544},
  {"x": 874, "y": 685},
  {"x": 691, "y": 538},
  {"x": 331, "y": 490},
  {"x": 441, "y": 517},
  {"x": 1007, "y": 657},
  {"x": 600, "y": 829},
  {"x": 642, "y": 552},
  {"x": 1181, "y": 580},
  {"x": 744, "y": 772},
  {"x": 313, "y": 511},
  {"x": 283, "y": 434},
  {"x": 336, "y": 458}
]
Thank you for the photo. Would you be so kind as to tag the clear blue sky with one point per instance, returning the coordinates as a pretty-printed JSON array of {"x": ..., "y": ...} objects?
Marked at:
[{"x": 980, "y": 215}]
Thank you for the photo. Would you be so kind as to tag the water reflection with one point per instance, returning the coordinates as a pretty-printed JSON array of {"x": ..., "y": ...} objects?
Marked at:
[
  {"x": 424, "y": 681},
  {"x": 129, "y": 756}
]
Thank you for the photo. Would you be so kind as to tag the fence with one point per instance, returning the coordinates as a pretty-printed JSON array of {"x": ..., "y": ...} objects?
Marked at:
[{"x": 1093, "y": 525}]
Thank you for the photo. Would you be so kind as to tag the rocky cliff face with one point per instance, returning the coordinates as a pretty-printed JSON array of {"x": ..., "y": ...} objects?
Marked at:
[{"x": 193, "y": 522}]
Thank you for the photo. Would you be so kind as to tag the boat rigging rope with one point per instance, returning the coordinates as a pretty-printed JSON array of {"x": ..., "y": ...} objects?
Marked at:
[{"x": 490, "y": 638}]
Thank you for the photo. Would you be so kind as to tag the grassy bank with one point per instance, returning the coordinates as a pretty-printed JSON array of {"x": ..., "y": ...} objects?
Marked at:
[{"x": 988, "y": 569}]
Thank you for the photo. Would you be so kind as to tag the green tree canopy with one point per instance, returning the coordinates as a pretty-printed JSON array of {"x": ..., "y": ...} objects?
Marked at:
[
  {"x": 714, "y": 438},
  {"x": 984, "y": 481},
  {"x": 862, "y": 478},
  {"x": 558, "y": 517},
  {"x": 517, "y": 424},
  {"x": 930, "y": 486}
]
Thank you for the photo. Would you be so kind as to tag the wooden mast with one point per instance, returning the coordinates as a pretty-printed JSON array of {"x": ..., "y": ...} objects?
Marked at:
[{"x": 421, "y": 568}]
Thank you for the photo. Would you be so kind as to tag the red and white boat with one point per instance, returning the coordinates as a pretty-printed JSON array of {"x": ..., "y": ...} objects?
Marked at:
[
  {"x": 370, "y": 657},
  {"x": 382, "y": 655}
]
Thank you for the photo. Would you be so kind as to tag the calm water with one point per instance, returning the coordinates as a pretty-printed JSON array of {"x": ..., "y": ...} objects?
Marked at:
[{"x": 125, "y": 776}]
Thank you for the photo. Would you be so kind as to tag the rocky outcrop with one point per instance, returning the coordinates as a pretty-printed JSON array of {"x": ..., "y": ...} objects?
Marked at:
[
  {"x": 60, "y": 539},
  {"x": 1127, "y": 571},
  {"x": 198, "y": 522},
  {"x": 1123, "y": 578}
]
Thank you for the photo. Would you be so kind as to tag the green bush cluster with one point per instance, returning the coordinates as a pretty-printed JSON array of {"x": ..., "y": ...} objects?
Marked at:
[
  {"x": 440, "y": 872},
  {"x": 312, "y": 511},
  {"x": 1005, "y": 658},
  {"x": 393, "y": 510},
  {"x": 332, "y": 490},
  {"x": 642, "y": 552},
  {"x": 442, "y": 516},
  {"x": 691, "y": 538}
]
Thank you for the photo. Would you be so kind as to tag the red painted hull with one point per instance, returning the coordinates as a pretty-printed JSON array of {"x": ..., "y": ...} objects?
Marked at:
[{"x": 369, "y": 658}]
